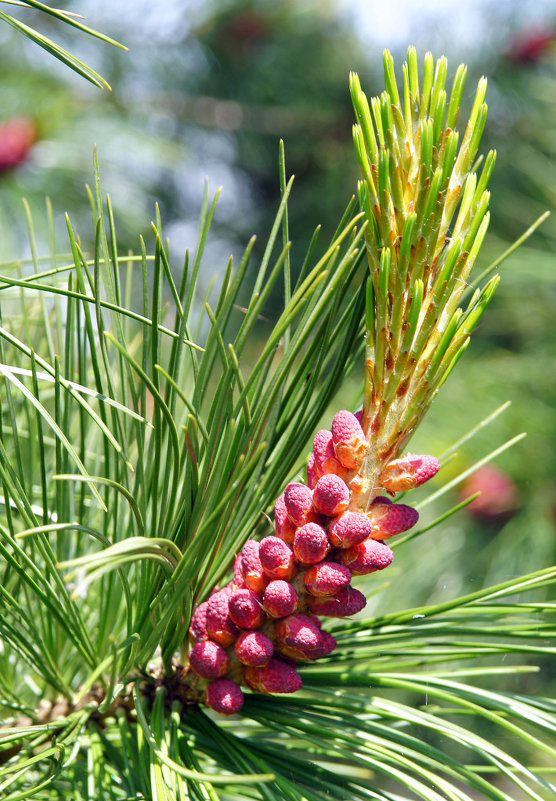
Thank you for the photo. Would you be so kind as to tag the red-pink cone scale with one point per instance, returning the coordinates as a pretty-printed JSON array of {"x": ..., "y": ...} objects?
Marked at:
[
  {"x": 310, "y": 544},
  {"x": 327, "y": 578},
  {"x": 285, "y": 529},
  {"x": 312, "y": 475},
  {"x": 238, "y": 572},
  {"x": 253, "y": 631},
  {"x": 280, "y": 599},
  {"x": 348, "y": 438},
  {"x": 276, "y": 558},
  {"x": 297, "y": 636},
  {"x": 408, "y": 471},
  {"x": 331, "y": 495},
  {"x": 345, "y": 603},
  {"x": 368, "y": 556},
  {"x": 198, "y": 625},
  {"x": 224, "y": 696},
  {"x": 246, "y": 610},
  {"x": 325, "y": 455},
  {"x": 349, "y": 529},
  {"x": 276, "y": 677},
  {"x": 298, "y": 500},
  {"x": 220, "y": 626},
  {"x": 388, "y": 519},
  {"x": 254, "y": 648},
  {"x": 253, "y": 574},
  {"x": 209, "y": 659}
]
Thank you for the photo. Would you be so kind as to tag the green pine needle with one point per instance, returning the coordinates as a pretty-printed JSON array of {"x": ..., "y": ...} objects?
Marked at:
[{"x": 52, "y": 47}]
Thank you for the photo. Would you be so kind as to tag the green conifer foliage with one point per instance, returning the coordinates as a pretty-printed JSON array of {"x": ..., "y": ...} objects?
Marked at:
[{"x": 145, "y": 441}]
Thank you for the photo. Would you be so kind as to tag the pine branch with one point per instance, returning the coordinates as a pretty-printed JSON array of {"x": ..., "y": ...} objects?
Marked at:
[{"x": 135, "y": 465}]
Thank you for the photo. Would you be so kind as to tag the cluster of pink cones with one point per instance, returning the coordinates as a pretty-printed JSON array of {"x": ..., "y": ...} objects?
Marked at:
[{"x": 253, "y": 631}]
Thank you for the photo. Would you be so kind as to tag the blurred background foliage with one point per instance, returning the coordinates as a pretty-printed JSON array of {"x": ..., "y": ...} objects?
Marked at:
[{"x": 206, "y": 91}]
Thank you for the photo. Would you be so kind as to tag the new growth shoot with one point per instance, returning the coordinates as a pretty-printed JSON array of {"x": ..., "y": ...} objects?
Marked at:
[{"x": 426, "y": 206}]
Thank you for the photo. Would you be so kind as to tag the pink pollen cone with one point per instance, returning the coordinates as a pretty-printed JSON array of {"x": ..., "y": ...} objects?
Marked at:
[
  {"x": 276, "y": 558},
  {"x": 389, "y": 519},
  {"x": 297, "y": 636},
  {"x": 209, "y": 660},
  {"x": 224, "y": 696},
  {"x": 382, "y": 499},
  {"x": 276, "y": 677},
  {"x": 220, "y": 626},
  {"x": 331, "y": 495},
  {"x": 325, "y": 455},
  {"x": 327, "y": 578},
  {"x": 253, "y": 573},
  {"x": 284, "y": 527},
  {"x": 280, "y": 599},
  {"x": 253, "y": 648},
  {"x": 298, "y": 500},
  {"x": 349, "y": 529},
  {"x": 347, "y": 602},
  {"x": 310, "y": 544},
  {"x": 366, "y": 557},
  {"x": 408, "y": 471},
  {"x": 312, "y": 473},
  {"x": 198, "y": 625},
  {"x": 246, "y": 609},
  {"x": 349, "y": 440},
  {"x": 239, "y": 581},
  {"x": 326, "y": 645}
]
